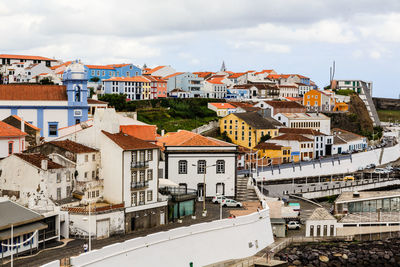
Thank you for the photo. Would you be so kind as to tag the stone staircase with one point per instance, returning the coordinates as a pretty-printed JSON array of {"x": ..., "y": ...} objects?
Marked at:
[
  {"x": 369, "y": 103},
  {"x": 242, "y": 192}
]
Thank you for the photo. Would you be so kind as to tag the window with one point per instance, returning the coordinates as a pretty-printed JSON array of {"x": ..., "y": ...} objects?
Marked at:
[
  {"x": 86, "y": 158},
  {"x": 53, "y": 129},
  {"x": 68, "y": 192},
  {"x": 127, "y": 73},
  {"x": 150, "y": 195},
  {"x": 141, "y": 197},
  {"x": 103, "y": 73},
  {"x": 93, "y": 194},
  {"x": 68, "y": 177},
  {"x": 86, "y": 174},
  {"x": 93, "y": 174},
  {"x": 134, "y": 199},
  {"x": 10, "y": 148},
  {"x": 201, "y": 166},
  {"x": 141, "y": 156},
  {"x": 93, "y": 157},
  {"x": 97, "y": 193},
  {"x": 58, "y": 177},
  {"x": 182, "y": 167},
  {"x": 149, "y": 155},
  {"x": 141, "y": 176},
  {"x": 220, "y": 166},
  {"x": 220, "y": 189},
  {"x": 134, "y": 156},
  {"x": 149, "y": 175},
  {"x": 58, "y": 193}
]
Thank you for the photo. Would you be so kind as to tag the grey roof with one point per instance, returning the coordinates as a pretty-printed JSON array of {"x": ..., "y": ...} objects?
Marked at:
[
  {"x": 257, "y": 121},
  {"x": 16, "y": 214},
  {"x": 321, "y": 214},
  {"x": 24, "y": 229}
]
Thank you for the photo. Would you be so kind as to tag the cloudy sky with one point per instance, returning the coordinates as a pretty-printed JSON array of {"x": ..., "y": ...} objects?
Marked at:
[{"x": 290, "y": 36}]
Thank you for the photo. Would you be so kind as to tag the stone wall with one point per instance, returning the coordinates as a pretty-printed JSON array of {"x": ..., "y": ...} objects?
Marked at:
[{"x": 386, "y": 103}]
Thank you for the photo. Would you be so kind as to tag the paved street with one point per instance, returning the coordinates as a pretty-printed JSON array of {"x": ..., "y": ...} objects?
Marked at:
[{"x": 75, "y": 247}]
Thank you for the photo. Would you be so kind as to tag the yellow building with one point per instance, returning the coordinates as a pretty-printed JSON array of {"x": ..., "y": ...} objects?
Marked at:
[
  {"x": 273, "y": 153},
  {"x": 246, "y": 129}
]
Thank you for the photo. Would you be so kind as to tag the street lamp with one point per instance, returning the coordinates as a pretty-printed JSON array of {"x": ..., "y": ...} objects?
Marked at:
[
  {"x": 90, "y": 234},
  {"x": 204, "y": 186}
]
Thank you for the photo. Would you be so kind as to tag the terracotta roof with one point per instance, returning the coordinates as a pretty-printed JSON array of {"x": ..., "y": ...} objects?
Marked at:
[
  {"x": 64, "y": 64},
  {"x": 204, "y": 74},
  {"x": 287, "y": 86},
  {"x": 294, "y": 98},
  {"x": 36, "y": 160},
  {"x": 7, "y": 130},
  {"x": 284, "y": 104},
  {"x": 73, "y": 146},
  {"x": 118, "y": 65},
  {"x": 242, "y": 104},
  {"x": 236, "y": 75},
  {"x": 268, "y": 146},
  {"x": 264, "y": 71},
  {"x": 95, "y": 101},
  {"x": 223, "y": 105},
  {"x": 26, "y": 123},
  {"x": 25, "y": 57},
  {"x": 186, "y": 138},
  {"x": 300, "y": 131},
  {"x": 154, "y": 69},
  {"x": 255, "y": 120},
  {"x": 129, "y": 79},
  {"x": 33, "y": 92},
  {"x": 144, "y": 132},
  {"x": 100, "y": 67},
  {"x": 273, "y": 76},
  {"x": 346, "y": 135},
  {"x": 177, "y": 90},
  {"x": 289, "y": 136},
  {"x": 173, "y": 75},
  {"x": 216, "y": 80},
  {"x": 127, "y": 142}
]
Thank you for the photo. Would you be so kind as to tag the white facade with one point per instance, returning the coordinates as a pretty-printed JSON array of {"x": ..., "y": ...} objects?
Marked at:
[
  {"x": 217, "y": 181},
  {"x": 10, "y": 145},
  {"x": 315, "y": 121},
  {"x": 288, "y": 91},
  {"x": 214, "y": 90},
  {"x": 164, "y": 71}
]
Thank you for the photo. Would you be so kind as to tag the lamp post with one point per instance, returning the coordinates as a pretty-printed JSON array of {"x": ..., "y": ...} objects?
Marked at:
[
  {"x": 204, "y": 186},
  {"x": 89, "y": 234}
]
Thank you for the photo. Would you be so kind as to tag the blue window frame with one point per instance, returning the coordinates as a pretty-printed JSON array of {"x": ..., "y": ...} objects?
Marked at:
[{"x": 53, "y": 129}]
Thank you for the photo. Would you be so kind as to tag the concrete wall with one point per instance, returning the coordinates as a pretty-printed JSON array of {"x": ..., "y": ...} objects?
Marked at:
[
  {"x": 201, "y": 244},
  {"x": 55, "y": 263},
  {"x": 327, "y": 168}
]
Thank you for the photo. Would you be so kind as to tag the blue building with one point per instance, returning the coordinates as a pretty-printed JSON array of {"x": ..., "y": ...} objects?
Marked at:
[
  {"x": 49, "y": 107},
  {"x": 104, "y": 72},
  {"x": 186, "y": 81}
]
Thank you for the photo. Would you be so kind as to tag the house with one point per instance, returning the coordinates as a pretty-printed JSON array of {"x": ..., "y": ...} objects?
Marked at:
[
  {"x": 204, "y": 74},
  {"x": 104, "y": 72},
  {"x": 238, "y": 78},
  {"x": 273, "y": 153},
  {"x": 304, "y": 88},
  {"x": 185, "y": 81},
  {"x": 32, "y": 136},
  {"x": 191, "y": 159},
  {"x": 135, "y": 181},
  {"x": 354, "y": 85},
  {"x": 241, "y": 92},
  {"x": 12, "y": 140},
  {"x": 135, "y": 88},
  {"x": 315, "y": 121},
  {"x": 95, "y": 104},
  {"x": 179, "y": 93},
  {"x": 158, "y": 86},
  {"x": 222, "y": 109},
  {"x": 35, "y": 180},
  {"x": 316, "y": 100},
  {"x": 143, "y": 132},
  {"x": 345, "y": 141},
  {"x": 214, "y": 88},
  {"x": 85, "y": 160},
  {"x": 48, "y": 107},
  {"x": 246, "y": 129},
  {"x": 321, "y": 223},
  {"x": 161, "y": 71},
  {"x": 288, "y": 91},
  {"x": 323, "y": 143},
  {"x": 301, "y": 147},
  {"x": 281, "y": 107}
]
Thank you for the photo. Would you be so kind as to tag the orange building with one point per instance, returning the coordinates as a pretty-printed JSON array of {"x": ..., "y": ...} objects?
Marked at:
[{"x": 318, "y": 100}]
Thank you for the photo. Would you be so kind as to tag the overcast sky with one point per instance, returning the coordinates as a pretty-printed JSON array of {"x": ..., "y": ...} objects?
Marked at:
[{"x": 290, "y": 36}]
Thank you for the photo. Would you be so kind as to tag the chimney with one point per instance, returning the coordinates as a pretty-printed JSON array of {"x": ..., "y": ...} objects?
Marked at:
[
  {"x": 162, "y": 132},
  {"x": 44, "y": 164}
]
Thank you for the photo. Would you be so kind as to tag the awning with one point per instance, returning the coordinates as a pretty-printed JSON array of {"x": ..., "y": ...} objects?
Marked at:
[
  {"x": 24, "y": 229},
  {"x": 166, "y": 183}
]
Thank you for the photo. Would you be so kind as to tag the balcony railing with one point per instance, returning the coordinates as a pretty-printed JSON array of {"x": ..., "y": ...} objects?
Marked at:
[
  {"x": 139, "y": 164},
  {"x": 137, "y": 185}
]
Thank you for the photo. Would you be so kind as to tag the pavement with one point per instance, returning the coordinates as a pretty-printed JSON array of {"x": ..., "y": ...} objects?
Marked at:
[{"x": 75, "y": 247}]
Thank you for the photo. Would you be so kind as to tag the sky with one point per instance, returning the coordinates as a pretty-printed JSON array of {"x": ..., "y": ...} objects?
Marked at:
[{"x": 289, "y": 36}]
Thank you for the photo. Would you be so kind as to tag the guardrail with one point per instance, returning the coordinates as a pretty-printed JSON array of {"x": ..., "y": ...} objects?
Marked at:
[
  {"x": 139, "y": 164},
  {"x": 137, "y": 185}
]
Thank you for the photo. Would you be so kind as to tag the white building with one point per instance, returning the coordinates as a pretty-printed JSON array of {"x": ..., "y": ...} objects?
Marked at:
[
  {"x": 315, "y": 121},
  {"x": 190, "y": 158},
  {"x": 224, "y": 109},
  {"x": 345, "y": 141},
  {"x": 321, "y": 223},
  {"x": 179, "y": 93},
  {"x": 302, "y": 147},
  {"x": 130, "y": 171},
  {"x": 304, "y": 88},
  {"x": 214, "y": 88},
  {"x": 12, "y": 140},
  {"x": 162, "y": 71},
  {"x": 354, "y": 85},
  {"x": 288, "y": 90},
  {"x": 35, "y": 180}
]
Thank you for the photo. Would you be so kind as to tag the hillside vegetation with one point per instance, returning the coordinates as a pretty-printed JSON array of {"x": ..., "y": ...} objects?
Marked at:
[{"x": 169, "y": 114}]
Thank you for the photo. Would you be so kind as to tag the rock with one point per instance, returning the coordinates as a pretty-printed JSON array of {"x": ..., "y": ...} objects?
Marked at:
[
  {"x": 293, "y": 257},
  {"x": 344, "y": 256},
  {"x": 297, "y": 262},
  {"x": 386, "y": 257},
  {"x": 323, "y": 258}
]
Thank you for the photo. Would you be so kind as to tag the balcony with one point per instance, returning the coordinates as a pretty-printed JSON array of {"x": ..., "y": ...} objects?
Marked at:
[
  {"x": 139, "y": 164},
  {"x": 139, "y": 185}
]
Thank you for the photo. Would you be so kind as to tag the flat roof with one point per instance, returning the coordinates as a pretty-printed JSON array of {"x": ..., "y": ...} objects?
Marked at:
[
  {"x": 363, "y": 217},
  {"x": 369, "y": 195}
]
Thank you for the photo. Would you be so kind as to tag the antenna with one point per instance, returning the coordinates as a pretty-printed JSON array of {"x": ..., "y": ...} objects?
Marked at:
[{"x": 332, "y": 72}]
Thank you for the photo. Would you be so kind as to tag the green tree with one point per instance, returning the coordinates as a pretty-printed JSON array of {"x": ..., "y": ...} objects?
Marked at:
[
  {"x": 115, "y": 100},
  {"x": 95, "y": 79},
  {"x": 264, "y": 138},
  {"x": 46, "y": 80},
  {"x": 225, "y": 137}
]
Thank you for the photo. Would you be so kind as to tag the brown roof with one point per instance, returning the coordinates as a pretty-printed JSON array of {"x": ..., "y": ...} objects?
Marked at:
[
  {"x": 95, "y": 101},
  {"x": 257, "y": 121},
  {"x": 127, "y": 142},
  {"x": 269, "y": 146},
  {"x": 143, "y": 132},
  {"x": 186, "y": 138},
  {"x": 33, "y": 92},
  {"x": 7, "y": 130},
  {"x": 300, "y": 131},
  {"x": 36, "y": 160},
  {"x": 73, "y": 146},
  {"x": 346, "y": 135},
  {"x": 284, "y": 104},
  {"x": 26, "y": 123},
  {"x": 297, "y": 137},
  {"x": 26, "y": 57}
]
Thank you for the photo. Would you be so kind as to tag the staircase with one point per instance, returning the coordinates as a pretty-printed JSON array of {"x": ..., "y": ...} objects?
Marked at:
[
  {"x": 367, "y": 99},
  {"x": 242, "y": 192}
]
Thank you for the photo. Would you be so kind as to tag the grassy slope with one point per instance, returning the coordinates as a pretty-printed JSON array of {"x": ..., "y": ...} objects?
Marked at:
[{"x": 389, "y": 115}]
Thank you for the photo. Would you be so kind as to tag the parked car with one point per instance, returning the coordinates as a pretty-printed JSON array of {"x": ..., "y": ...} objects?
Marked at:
[
  {"x": 348, "y": 178},
  {"x": 361, "y": 168},
  {"x": 293, "y": 225},
  {"x": 231, "y": 203},
  {"x": 218, "y": 199},
  {"x": 370, "y": 166},
  {"x": 381, "y": 170}
]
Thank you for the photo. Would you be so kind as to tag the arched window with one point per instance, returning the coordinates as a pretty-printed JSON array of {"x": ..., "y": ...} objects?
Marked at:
[{"x": 77, "y": 93}]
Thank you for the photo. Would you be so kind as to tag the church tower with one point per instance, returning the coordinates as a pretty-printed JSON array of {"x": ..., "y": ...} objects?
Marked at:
[{"x": 223, "y": 68}]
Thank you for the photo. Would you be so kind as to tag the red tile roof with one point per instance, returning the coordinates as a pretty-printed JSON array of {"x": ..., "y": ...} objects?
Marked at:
[
  {"x": 203, "y": 74},
  {"x": 33, "y": 92},
  {"x": 144, "y": 132},
  {"x": 236, "y": 75},
  {"x": 273, "y": 76},
  {"x": 118, "y": 65},
  {"x": 173, "y": 75},
  {"x": 95, "y": 101},
  {"x": 100, "y": 67},
  {"x": 284, "y": 104},
  {"x": 73, "y": 146},
  {"x": 127, "y": 142},
  {"x": 64, "y": 64},
  {"x": 300, "y": 131},
  {"x": 129, "y": 79},
  {"x": 25, "y": 57},
  {"x": 186, "y": 138},
  {"x": 36, "y": 160},
  {"x": 269, "y": 146},
  {"x": 290, "y": 136},
  {"x": 154, "y": 69},
  {"x": 222, "y": 105},
  {"x": 216, "y": 80},
  {"x": 7, "y": 130},
  {"x": 27, "y": 123}
]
